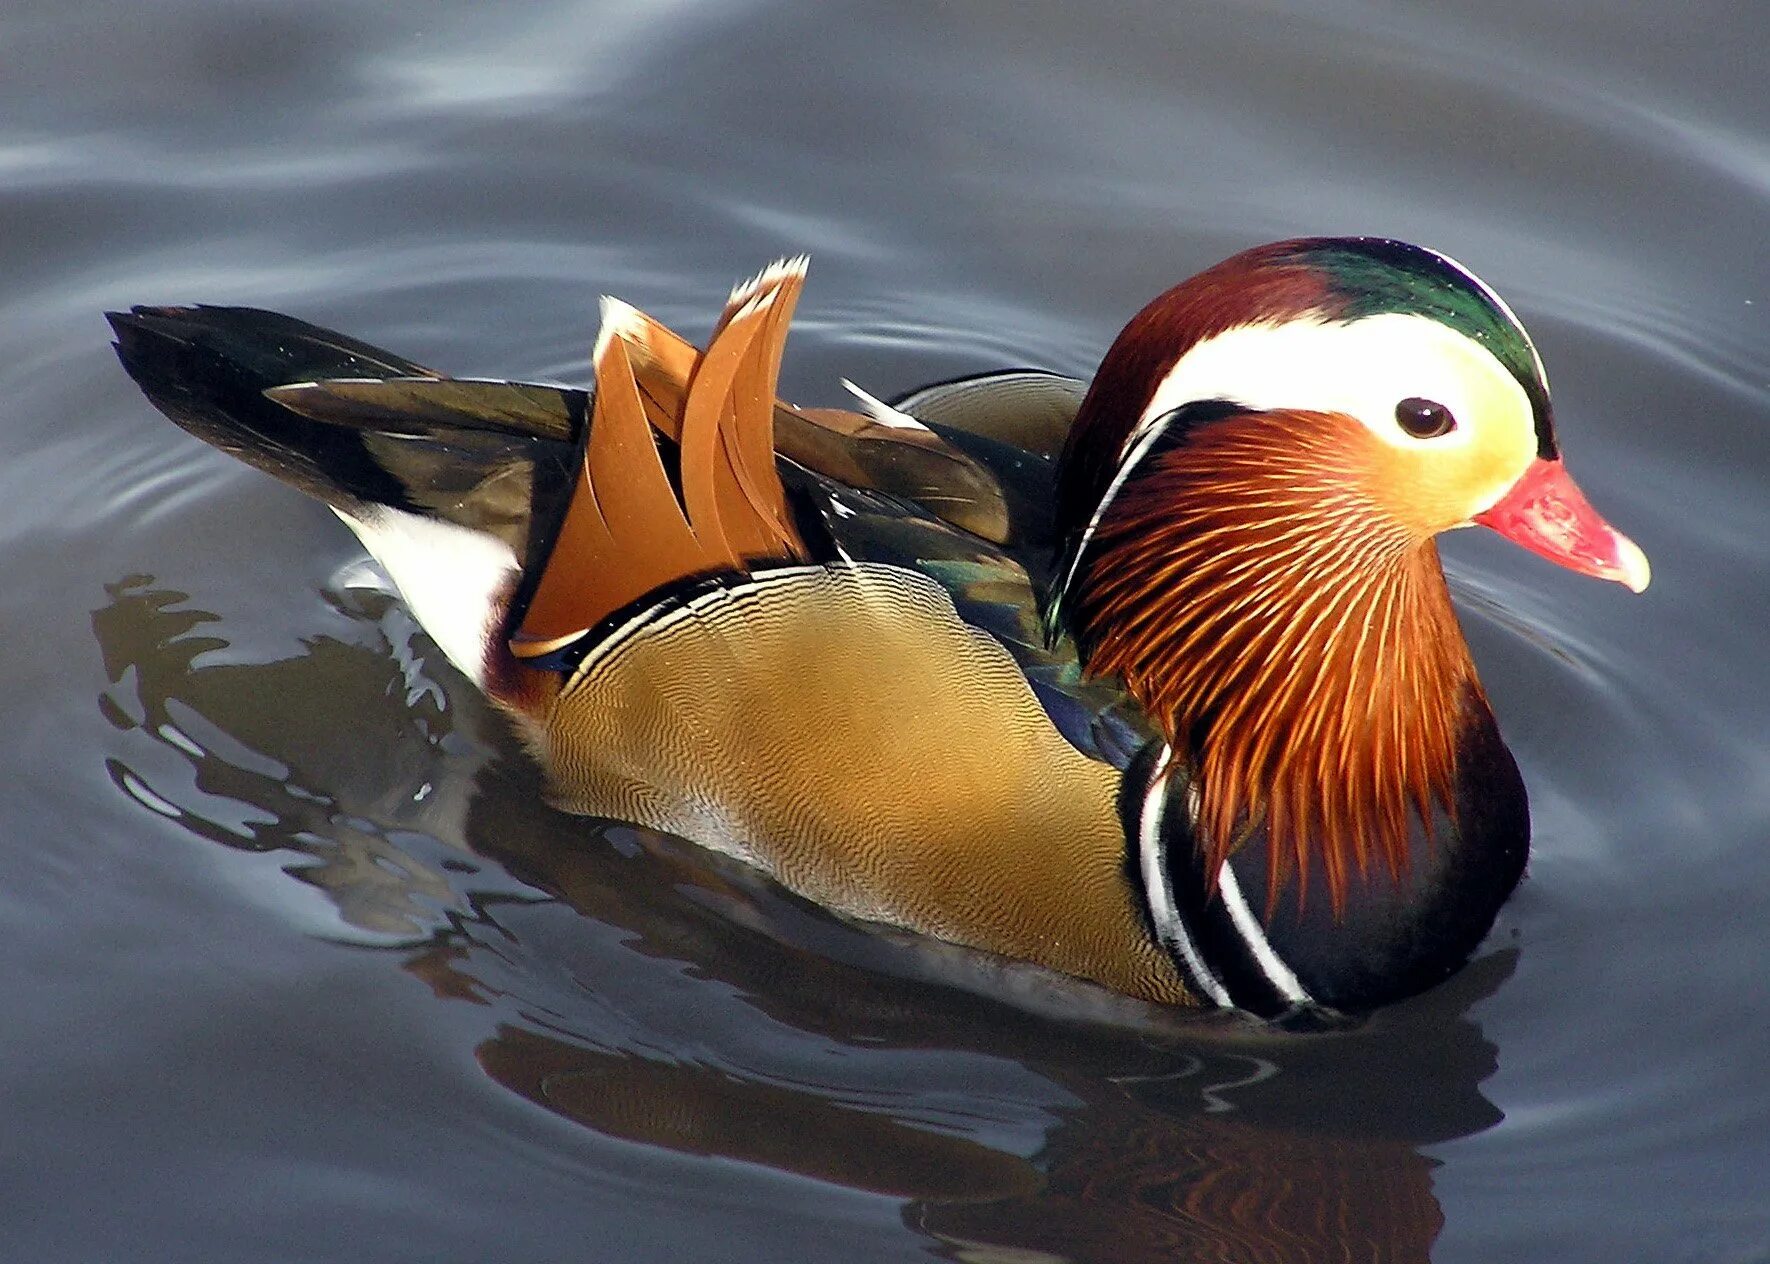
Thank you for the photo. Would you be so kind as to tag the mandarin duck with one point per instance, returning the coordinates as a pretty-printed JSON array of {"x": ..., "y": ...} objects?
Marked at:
[{"x": 1153, "y": 681}]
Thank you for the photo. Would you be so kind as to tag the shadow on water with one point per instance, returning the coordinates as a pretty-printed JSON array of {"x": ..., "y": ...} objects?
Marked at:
[{"x": 656, "y": 994}]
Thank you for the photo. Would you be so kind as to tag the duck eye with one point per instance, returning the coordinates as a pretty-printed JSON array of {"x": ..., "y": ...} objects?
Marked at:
[{"x": 1424, "y": 418}]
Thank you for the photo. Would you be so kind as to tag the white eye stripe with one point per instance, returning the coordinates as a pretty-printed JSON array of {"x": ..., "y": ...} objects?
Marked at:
[{"x": 1362, "y": 368}]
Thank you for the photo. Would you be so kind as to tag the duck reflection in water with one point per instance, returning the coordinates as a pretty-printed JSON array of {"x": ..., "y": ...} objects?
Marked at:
[{"x": 644, "y": 989}]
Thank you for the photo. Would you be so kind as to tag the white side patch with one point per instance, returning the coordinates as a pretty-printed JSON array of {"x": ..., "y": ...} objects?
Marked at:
[
  {"x": 1259, "y": 947},
  {"x": 450, "y": 577},
  {"x": 1158, "y": 886}
]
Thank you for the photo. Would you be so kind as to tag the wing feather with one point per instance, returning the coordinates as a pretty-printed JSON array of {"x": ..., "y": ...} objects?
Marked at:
[{"x": 628, "y": 530}]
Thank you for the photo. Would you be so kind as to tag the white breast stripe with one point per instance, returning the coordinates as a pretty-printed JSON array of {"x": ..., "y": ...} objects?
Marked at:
[
  {"x": 1137, "y": 450},
  {"x": 1158, "y": 887},
  {"x": 1276, "y": 971}
]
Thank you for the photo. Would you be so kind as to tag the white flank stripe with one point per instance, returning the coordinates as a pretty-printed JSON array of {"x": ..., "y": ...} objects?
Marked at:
[
  {"x": 1276, "y": 971},
  {"x": 674, "y": 609},
  {"x": 1158, "y": 887}
]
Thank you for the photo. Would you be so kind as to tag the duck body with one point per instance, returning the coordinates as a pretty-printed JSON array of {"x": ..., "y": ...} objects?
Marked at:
[{"x": 918, "y": 662}]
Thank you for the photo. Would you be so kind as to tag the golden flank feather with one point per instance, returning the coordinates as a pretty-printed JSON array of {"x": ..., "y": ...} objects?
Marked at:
[
  {"x": 626, "y": 532},
  {"x": 1292, "y": 639}
]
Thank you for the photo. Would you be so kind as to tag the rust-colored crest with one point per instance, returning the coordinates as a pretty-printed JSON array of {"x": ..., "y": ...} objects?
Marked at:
[{"x": 1296, "y": 644}]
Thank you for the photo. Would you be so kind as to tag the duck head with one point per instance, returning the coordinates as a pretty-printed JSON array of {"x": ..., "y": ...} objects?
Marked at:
[{"x": 1248, "y": 508}]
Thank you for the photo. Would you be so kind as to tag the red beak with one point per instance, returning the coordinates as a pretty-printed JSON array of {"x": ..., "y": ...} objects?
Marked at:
[{"x": 1547, "y": 514}]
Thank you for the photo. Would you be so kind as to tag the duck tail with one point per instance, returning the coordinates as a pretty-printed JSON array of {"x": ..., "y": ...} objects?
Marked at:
[
  {"x": 452, "y": 485},
  {"x": 353, "y": 425},
  {"x": 504, "y": 508}
]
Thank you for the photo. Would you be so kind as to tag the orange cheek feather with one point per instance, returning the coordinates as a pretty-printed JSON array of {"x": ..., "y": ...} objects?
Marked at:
[{"x": 1427, "y": 491}]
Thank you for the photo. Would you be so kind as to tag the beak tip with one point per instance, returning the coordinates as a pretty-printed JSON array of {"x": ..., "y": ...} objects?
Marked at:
[
  {"x": 1546, "y": 512},
  {"x": 1637, "y": 572}
]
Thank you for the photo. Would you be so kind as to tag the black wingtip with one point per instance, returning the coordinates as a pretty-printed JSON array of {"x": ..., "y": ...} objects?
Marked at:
[
  {"x": 246, "y": 344},
  {"x": 142, "y": 316},
  {"x": 121, "y": 324},
  {"x": 209, "y": 369},
  {"x": 147, "y": 346}
]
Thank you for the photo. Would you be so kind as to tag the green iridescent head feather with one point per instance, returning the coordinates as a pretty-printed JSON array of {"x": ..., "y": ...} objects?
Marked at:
[{"x": 1376, "y": 275}]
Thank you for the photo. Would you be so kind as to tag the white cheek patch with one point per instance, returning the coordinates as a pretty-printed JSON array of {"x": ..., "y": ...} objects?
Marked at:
[
  {"x": 1361, "y": 368},
  {"x": 451, "y": 578}
]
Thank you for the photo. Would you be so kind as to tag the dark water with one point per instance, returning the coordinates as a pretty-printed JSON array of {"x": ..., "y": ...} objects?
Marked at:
[{"x": 297, "y": 967}]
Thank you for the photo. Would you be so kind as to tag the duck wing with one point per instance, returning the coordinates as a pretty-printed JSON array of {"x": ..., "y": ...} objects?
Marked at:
[{"x": 1027, "y": 409}]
